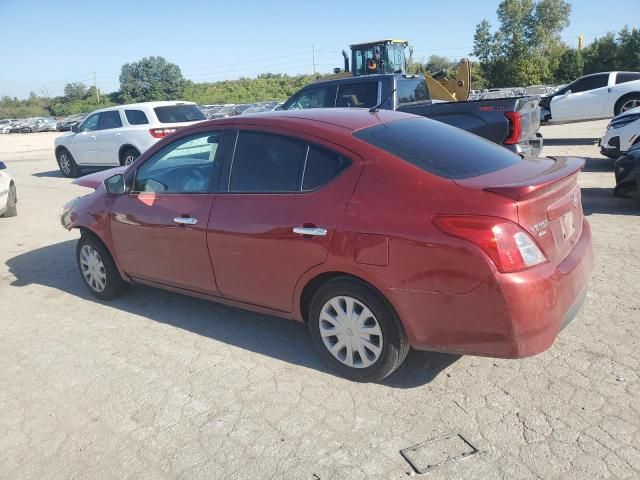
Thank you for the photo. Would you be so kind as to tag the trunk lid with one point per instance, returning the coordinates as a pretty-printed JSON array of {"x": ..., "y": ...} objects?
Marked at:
[{"x": 547, "y": 198}]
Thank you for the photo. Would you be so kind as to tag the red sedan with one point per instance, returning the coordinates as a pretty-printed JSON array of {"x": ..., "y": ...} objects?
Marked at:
[{"x": 382, "y": 231}]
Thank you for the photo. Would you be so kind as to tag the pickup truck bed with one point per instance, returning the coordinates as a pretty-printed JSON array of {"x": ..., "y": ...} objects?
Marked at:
[{"x": 510, "y": 122}]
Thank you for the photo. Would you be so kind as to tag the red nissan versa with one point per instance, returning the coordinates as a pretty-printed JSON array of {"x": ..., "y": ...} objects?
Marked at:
[{"x": 382, "y": 231}]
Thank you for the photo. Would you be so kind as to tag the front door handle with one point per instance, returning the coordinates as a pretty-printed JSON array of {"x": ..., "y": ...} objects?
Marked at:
[
  {"x": 185, "y": 220},
  {"x": 314, "y": 231}
]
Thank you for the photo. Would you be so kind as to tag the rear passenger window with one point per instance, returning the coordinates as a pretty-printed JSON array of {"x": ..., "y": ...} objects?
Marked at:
[
  {"x": 625, "y": 77},
  {"x": 110, "y": 119},
  {"x": 267, "y": 163},
  {"x": 321, "y": 167},
  {"x": 136, "y": 117},
  {"x": 363, "y": 94}
]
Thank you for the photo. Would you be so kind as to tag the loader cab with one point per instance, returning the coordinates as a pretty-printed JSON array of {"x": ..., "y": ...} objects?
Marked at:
[{"x": 382, "y": 56}]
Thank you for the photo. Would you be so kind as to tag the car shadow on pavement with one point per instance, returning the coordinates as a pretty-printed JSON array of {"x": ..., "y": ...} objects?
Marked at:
[
  {"x": 49, "y": 174},
  {"x": 602, "y": 200},
  {"x": 601, "y": 164},
  {"x": 58, "y": 174},
  {"x": 560, "y": 142},
  {"x": 54, "y": 266}
]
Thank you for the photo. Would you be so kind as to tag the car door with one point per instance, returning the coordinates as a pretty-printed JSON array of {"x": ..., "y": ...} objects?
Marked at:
[
  {"x": 84, "y": 146},
  {"x": 159, "y": 227},
  {"x": 109, "y": 138},
  {"x": 586, "y": 98},
  {"x": 283, "y": 201}
]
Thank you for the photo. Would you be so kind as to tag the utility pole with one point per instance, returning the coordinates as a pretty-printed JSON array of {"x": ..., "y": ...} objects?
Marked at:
[
  {"x": 580, "y": 42},
  {"x": 313, "y": 57},
  {"x": 95, "y": 85}
]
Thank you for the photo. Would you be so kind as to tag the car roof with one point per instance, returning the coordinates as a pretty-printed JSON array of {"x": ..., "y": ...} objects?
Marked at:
[
  {"x": 347, "y": 118},
  {"x": 165, "y": 103},
  {"x": 360, "y": 79}
]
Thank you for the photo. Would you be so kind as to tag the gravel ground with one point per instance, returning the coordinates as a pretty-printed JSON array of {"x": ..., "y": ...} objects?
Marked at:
[{"x": 160, "y": 386}]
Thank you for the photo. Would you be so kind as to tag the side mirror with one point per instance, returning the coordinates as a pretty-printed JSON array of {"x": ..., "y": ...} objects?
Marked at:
[
  {"x": 2, "y": 166},
  {"x": 74, "y": 128},
  {"x": 115, "y": 184}
]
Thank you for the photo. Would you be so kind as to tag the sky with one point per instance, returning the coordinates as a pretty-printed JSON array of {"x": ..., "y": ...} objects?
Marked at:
[{"x": 46, "y": 44}]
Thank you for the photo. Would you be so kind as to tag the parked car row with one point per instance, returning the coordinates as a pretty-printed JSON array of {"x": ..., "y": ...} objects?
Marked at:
[
  {"x": 213, "y": 112},
  {"x": 65, "y": 124},
  {"x": 29, "y": 125}
]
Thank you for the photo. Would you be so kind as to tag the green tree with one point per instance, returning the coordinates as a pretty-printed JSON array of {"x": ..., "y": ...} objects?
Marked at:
[
  {"x": 526, "y": 46},
  {"x": 601, "y": 55},
  {"x": 629, "y": 49},
  {"x": 571, "y": 66},
  {"x": 75, "y": 91},
  {"x": 152, "y": 78}
]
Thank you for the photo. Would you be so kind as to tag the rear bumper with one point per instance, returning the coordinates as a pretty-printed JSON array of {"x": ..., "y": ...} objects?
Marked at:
[
  {"x": 530, "y": 148},
  {"x": 510, "y": 315}
]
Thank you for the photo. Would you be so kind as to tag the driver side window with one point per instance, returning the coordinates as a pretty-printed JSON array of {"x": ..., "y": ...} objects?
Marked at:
[
  {"x": 91, "y": 123},
  {"x": 187, "y": 165}
]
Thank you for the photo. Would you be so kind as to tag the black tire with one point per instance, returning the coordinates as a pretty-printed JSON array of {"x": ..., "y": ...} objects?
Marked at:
[
  {"x": 114, "y": 285},
  {"x": 628, "y": 98},
  {"x": 395, "y": 345},
  {"x": 11, "y": 209},
  {"x": 128, "y": 156},
  {"x": 67, "y": 164}
]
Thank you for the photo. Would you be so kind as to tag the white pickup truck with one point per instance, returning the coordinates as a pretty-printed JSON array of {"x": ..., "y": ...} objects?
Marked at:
[{"x": 595, "y": 96}]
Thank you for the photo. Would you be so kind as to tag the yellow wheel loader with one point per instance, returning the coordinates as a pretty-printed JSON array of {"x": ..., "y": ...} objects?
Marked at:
[{"x": 388, "y": 56}]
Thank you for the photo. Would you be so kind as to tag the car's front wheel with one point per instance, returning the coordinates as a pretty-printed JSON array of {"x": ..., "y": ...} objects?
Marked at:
[
  {"x": 11, "y": 210},
  {"x": 98, "y": 269},
  {"x": 67, "y": 164},
  {"x": 356, "y": 331}
]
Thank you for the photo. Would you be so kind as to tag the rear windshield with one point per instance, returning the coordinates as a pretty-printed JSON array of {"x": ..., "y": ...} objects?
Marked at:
[
  {"x": 412, "y": 90},
  {"x": 179, "y": 114},
  {"x": 438, "y": 148}
]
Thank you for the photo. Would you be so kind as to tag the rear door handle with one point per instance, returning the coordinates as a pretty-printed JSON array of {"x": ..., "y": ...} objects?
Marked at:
[
  {"x": 313, "y": 231},
  {"x": 185, "y": 220}
]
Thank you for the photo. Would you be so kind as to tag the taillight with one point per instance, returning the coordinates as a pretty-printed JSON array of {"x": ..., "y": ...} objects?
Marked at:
[
  {"x": 515, "y": 128},
  {"x": 506, "y": 243},
  {"x": 162, "y": 132}
]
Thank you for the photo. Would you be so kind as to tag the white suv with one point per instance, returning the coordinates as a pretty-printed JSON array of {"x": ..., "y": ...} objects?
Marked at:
[{"x": 118, "y": 135}]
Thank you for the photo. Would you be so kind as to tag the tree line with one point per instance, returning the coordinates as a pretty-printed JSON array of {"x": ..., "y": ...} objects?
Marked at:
[{"x": 525, "y": 49}]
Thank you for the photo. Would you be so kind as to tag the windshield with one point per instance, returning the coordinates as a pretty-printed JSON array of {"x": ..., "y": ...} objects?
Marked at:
[
  {"x": 438, "y": 148},
  {"x": 371, "y": 59},
  {"x": 179, "y": 114}
]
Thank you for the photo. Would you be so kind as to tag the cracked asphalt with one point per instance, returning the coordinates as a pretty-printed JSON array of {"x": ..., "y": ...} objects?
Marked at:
[{"x": 160, "y": 386}]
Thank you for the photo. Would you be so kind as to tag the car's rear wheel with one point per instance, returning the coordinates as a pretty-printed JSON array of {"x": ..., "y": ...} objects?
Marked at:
[
  {"x": 627, "y": 103},
  {"x": 356, "y": 331},
  {"x": 11, "y": 210},
  {"x": 129, "y": 156},
  {"x": 67, "y": 164},
  {"x": 98, "y": 269}
]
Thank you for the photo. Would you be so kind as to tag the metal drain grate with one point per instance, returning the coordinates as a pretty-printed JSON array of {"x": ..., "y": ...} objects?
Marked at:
[{"x": 438, "y": 451}]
